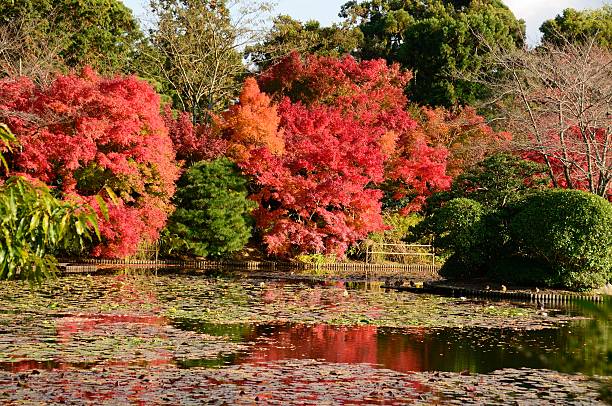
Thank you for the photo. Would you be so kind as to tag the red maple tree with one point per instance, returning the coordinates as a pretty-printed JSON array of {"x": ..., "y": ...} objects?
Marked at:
[
  {"x": 315, "y": 197},
  {"x": 86, "y": 135},
  {"x": 346, "y": 128}
]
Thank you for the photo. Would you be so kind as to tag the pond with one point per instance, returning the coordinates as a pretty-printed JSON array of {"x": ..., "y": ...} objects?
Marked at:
[{"x": 136, "y": 337}]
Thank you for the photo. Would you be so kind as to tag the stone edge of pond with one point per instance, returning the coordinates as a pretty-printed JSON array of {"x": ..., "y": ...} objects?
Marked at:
[
  {"x": 446, "y": 288},
  {"x": 331, "y": 270}
]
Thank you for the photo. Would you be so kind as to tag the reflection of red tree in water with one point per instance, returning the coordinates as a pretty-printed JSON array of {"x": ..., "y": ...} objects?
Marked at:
[
  {"x": 125, "y": 290},
  {"x": 95, "y": 324},
  {"x": 68, "y": 326},
  {"x": 335, "y": 344},
  {"x": 98, "y": 326},
  {"x": 103, "y": 325}
]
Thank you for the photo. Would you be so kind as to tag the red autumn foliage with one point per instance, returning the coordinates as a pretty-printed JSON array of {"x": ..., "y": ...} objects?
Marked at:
[
  {"x": 345, "y": 123},
  {"x": 416, "y": 172},
  {"x": 464, "y": 133},
  {"x": 314, "y": 198},
  {"x": 84, "y": 133},
  {"x": 441, "y": 145},
  {"x": 194, "y": 142},
  {"x": 371, "y": 91},
  {"x": 252, "y": 123},
  {"x": 572, "y": 161}
]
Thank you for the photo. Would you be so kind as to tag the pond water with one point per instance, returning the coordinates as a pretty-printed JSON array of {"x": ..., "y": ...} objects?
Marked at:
[
  {"x": 580, "y": 347},
  {"x": 240, "y": 338}
]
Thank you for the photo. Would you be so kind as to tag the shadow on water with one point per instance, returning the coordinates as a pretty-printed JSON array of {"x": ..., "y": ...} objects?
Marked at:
[{"x": 580, "y": 347}]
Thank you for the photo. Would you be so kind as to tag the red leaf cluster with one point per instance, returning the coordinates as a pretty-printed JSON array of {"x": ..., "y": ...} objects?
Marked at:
[
  {"x": 466, "y": 135},
  {"x": 83, "y": 134},
  {"x": 577, "y": 158},
  {"x": 194, "y": 142},
  {"x": 368, "y": 90},
  {"x": 442, "y": 145},
  {"x": 418, "y": 171}
]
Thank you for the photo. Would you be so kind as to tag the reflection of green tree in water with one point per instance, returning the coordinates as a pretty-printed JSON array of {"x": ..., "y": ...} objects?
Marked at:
[
  {"x": 598, "y": 344},
  {"x": 597, "y": 354},
  {"x": 587, "y": 345}
]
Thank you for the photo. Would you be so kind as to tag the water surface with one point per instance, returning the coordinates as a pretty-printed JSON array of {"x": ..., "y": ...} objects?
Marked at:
[{"x": 186, "y": 321}]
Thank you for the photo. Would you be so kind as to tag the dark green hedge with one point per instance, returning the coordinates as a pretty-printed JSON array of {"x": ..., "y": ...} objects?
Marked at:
[{"x": 555, "y": 237}]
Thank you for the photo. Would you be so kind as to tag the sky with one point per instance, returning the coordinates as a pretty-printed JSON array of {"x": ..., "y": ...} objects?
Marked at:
[{"x": 534, "y": 12}]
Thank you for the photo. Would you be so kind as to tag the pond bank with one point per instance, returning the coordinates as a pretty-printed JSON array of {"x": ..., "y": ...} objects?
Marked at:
[
  {"x": 548, "y": 297},
  {"x": 397, "y": 276},
  {"x": 355, "y": 270}
]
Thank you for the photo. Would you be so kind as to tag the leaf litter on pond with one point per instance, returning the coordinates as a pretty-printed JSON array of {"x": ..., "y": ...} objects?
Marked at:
[{"x": 159, "y": 325}]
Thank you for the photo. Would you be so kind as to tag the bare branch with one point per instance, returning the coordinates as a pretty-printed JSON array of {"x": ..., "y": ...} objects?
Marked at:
[{"x": 557, "y": 101}]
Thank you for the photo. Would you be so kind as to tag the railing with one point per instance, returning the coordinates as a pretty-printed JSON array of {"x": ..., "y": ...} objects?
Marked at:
[
  {"x": 378, "y": 252},
  {"x": 146, "y": 251}
]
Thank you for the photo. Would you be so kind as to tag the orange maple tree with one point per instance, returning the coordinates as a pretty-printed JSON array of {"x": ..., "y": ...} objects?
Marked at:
[{"x": 252, "y": 123}]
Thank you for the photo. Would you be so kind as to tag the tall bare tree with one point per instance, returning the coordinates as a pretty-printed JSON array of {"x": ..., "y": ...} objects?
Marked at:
[
  {"x": 557, "y": 99},
  {"x": 25, "y": 53},
  {"x": 194, "y": 49}
]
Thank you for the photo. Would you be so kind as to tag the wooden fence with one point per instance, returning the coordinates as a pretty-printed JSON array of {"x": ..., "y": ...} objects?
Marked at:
[{"x": 548, "y": 298}]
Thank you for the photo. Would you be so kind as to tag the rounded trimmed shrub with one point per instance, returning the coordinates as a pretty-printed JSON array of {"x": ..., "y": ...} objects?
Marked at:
[{"x": 570, "y": 232}]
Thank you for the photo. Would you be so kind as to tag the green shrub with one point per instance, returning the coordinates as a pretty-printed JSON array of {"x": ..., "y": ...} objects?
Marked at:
[
  {"x": 34, "y": 224},
  {"x": 399, "y": 225},
  {"x": 457, "y": 224},
  {"x": 522, "y": 271},
  {"x": 6, "y": 139},
  {"x": 499, "y": 179},
  {"x": 212, "y": 214},
  {"x": 568, "y": 231},
  {"x": 494, "y": 182},
  {"x": 469, "y": 222},
  {"x": 458, "y": 228}
]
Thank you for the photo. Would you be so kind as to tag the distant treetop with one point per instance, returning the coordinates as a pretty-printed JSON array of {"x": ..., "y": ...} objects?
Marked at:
[
  {"x": 100, "y": 33},
  {"x": 440, "y": 41},
  {"x": 576, "y": 26},
  {"x": 288, "y": 34}
]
